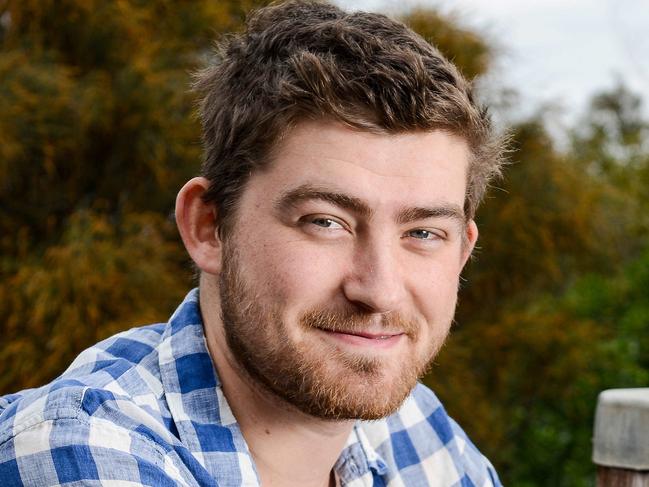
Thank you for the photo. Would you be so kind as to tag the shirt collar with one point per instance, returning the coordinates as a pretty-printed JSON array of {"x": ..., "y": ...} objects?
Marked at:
[
  {"x": 359, "y": 459},
  {"x": 205, "y": 423}
]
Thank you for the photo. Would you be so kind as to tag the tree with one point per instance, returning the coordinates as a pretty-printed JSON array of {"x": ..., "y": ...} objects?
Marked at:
[
  {"x": 96, "y": 136},
  {"x": 467, "y": 49}
]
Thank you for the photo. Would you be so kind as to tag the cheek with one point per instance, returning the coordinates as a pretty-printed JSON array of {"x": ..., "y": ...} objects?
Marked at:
[
  {"x": 297, "y": 274},
  {"x": 436, "y": 292}
]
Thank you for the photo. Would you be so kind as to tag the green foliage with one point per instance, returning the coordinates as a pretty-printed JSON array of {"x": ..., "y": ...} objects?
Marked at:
[
  {"x": 612, "y": 145},
  {"x": 539, "y": 368},
  {"x": 540, "y": 225}
]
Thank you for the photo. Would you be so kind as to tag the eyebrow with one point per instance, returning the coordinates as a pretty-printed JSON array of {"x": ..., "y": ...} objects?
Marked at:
[
  {"x": 307, "y": 192},
  {"x": 446, "y": 210}
]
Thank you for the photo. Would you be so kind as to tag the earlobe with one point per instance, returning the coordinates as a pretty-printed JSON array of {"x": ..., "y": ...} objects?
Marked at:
[{"x": 197, "y": 224}]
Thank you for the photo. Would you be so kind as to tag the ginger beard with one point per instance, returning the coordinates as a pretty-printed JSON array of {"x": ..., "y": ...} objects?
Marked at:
[{"x": 312, "y": 375}]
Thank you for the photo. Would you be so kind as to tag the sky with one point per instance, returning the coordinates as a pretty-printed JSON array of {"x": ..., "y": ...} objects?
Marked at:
[{"x": 553, "y": 52}]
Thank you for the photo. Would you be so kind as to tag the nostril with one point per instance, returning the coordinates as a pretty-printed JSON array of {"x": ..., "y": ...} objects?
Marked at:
[{"x": 370, "y": 296}]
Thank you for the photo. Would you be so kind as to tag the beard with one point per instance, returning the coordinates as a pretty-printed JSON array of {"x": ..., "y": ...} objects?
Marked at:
[{"x": 313, "y": 375}]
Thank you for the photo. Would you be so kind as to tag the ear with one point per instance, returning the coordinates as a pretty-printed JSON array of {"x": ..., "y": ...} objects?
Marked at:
[
  {"x": 197, "y": 224},
  {"x": 470, "y": 240}
]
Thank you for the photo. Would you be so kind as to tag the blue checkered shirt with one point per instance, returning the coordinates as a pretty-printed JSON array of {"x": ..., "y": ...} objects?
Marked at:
[{"x": 146, "y": 407}]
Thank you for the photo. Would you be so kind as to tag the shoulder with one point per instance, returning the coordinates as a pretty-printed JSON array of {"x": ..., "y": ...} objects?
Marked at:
[
  {"x": 69, "y": 432},
  {"x": 136, "y": 347},
  {"x": 423, "y": 445},
  {"x": 117, "y": 379},
  {"x": 98, "y": 421}
]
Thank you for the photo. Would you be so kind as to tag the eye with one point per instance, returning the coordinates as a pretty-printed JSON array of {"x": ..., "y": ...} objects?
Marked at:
[
  {"x": 422, "y": 234},
  {"x": 323, "y": 225},
  {"x": 325, "y": 222}
]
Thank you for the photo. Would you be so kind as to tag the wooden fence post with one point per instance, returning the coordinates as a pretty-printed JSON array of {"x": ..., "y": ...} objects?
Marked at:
[{"x": 621, "y": 441}]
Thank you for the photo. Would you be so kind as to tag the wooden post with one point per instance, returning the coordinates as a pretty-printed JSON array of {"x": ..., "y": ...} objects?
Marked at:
[{"x": 621, "y": 442}]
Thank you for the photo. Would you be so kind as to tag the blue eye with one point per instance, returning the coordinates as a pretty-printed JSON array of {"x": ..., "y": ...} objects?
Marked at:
[{"x": 423, "y": 234}]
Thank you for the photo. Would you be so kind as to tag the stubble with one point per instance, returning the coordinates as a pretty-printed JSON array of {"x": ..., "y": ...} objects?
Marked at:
[{"x": 314, "y": 376}]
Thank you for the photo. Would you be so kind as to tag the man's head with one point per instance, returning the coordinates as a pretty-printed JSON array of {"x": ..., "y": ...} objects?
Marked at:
[
  {"x": 344, "y": 161},
  {"x": 301, "y": 61}
]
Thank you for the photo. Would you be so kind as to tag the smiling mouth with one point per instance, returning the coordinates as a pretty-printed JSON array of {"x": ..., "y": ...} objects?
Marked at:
[
  {"x": 370, "y": 336},
  {"x": 365, "y": 339}
]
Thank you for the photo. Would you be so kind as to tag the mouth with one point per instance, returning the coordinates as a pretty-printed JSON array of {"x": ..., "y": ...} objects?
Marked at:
[{"x": 381, "y": 340}]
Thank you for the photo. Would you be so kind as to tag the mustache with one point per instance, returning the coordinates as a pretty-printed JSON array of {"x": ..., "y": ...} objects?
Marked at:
[{"x": 354, "y": 321}]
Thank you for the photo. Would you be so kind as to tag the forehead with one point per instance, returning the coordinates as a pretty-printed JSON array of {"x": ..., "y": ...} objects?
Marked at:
[{"x": 409, "y": 168}]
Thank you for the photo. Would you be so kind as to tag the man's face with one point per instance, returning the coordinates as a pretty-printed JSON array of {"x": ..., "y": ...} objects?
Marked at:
[{"x": 340, "y": 276}]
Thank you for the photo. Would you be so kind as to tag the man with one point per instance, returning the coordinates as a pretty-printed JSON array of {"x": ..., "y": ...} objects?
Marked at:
[{"x": 345, "y": 158}]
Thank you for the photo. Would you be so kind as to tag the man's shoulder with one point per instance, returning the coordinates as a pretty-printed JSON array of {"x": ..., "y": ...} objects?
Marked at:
[
  {"x": 68, "y": 432},
  {"x": 137, "y": 347},
  {"x": 119, "y": 374},
  {"x": 107, "y": 405},
  {"x": 422, "y": 442}
]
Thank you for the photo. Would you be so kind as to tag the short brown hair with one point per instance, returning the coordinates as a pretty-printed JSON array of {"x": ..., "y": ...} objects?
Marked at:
[{"x": 307, "y": 60}]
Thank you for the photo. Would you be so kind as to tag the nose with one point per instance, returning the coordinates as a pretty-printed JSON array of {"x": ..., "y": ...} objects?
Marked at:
[{"x": 375, "y": 281}]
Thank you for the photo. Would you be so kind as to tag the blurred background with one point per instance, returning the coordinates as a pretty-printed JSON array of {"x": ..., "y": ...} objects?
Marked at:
[{"x": 98, "y": 133}]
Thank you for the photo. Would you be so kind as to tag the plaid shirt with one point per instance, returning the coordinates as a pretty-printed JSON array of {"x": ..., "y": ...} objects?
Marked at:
[{"x": 146, "y": 407}]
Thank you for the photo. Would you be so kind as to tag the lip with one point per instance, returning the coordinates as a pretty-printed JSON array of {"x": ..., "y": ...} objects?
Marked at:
[{"x": 364, "y": 339}]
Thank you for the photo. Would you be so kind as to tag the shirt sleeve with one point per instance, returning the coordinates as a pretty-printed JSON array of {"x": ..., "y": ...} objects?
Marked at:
[{"x": 93, "y": 453}]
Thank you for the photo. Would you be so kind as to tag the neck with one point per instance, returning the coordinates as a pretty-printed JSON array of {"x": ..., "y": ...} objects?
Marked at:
[{"x": 289, "y": 447}]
